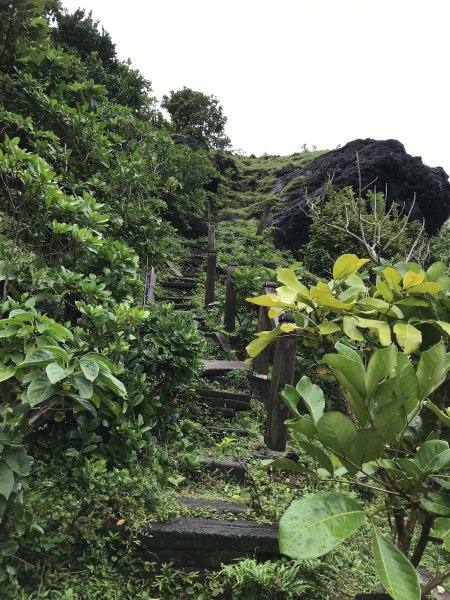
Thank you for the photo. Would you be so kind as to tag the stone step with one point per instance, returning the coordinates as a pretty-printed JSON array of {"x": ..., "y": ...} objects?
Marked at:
[
  {"x": 205, "y": 543},
  {"x": 223, "y": 394},
  {"x": 234, "y": 508},
  {"x": 233, "y": 469},
  {"x": 219, "y": 367},
  {"x": 184, "y": 285},
  {"x": 237, "y": 405}
]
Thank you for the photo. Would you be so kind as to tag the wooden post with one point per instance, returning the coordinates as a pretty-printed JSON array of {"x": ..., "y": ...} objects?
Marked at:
[
  {"x": 149, "y": 286},
  {"x": 229, "y": 319},
  {"x": 264, "y": 219},
  {"x": 282, "y": 374},
  {"x": 211, "y": 237},
  {"x": 261, "y": 362},
  {"x": 210, "y": 277}
]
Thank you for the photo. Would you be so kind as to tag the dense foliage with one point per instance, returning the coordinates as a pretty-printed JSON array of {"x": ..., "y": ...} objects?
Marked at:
[{"x": 92, "y": 188}]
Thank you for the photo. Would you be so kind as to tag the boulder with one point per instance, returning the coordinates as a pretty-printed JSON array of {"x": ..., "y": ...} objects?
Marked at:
[{"x": 383, "y": 164}]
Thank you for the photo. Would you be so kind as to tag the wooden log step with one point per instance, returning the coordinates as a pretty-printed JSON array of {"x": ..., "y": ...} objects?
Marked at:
[
  {"x": 185, "y": 285},
  {"x": 218, "y": 367},
  {"x": 227, "y": 413},
  {"x": 229, "y": 431},
  {"x": 231, "y": 468},
  {"x": 223, "y": 394},
  {"x": 224, "y": 403},
  {"x": 218, "y": 505},
  {"x": 199, "y": 318}
]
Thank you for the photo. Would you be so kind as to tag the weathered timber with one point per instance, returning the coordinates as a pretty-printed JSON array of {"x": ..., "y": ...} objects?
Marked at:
[
  {"x": 282, "y": 374},
  {"x": 224, "y": 343},
  {"x": 225, "y": 403},
  {"x": 211, "y": 237},
  {"x": 210, "y": 277},
  {"x": 231, "y": 468},
  {"x": 229, "y": 318},
  {"x": 174, "y": 269},
  {"x": 218, "y": 367},
  {"x": 227, "y": 431},
  {"x": 218, "y": 505},
  {"x": 223, "y": 394},
  {"x": 149, "y": 285},
  {"x": 198, "y": 542},
  {"x": 260, "y": 385},
  {"x": 199, "y": 318}
]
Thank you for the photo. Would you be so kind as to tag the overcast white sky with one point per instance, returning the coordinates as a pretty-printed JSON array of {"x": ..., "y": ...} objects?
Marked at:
[{"x": 294, "y": 72}]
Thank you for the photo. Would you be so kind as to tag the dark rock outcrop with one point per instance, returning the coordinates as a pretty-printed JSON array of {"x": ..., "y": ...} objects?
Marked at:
[
  {"x": 194, "y": 143},
  {"x": 382, "y": 164}
]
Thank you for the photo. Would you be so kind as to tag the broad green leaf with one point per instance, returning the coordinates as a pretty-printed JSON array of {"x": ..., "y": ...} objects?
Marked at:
[
  {"x": 313, "y": 526},
  {"x": 337, "y": 432},
  {"x": 317, "y": 454},
  {"x": 84, "y": 387},
  {"x": 393, "y": 278},
  {"x": 435, "y": 271},
  {"x": 312, "y": 396},
  {"x": 291, "y": 398},
  {"x": 438, "y": 504},
  {"x": 346, "y": 265},
  {"x": 89, "y": 368},
  {"x": 104, "y": 363},
  {"x": 406, "y": 384},
  {"x": 382, "y": 364},
  {"x": 324, "y": 298},
  {"x": 408, "y": 337},
  {"x": 428, "y": 287},
  {"x": 442, "y": 528},
  {"x": 350, "y": 329},
  {"x": 56, "y": 373},
  {"x": 381, "y": 328},
  {"x": 84, "y": 404},
  {"x": 38, "y": 358},
  {"x": 380, "y": 306},
  {"x": 40, "y": 389},
  {"x": 6, "y": 480},
  {"x": 289, "y": 278},
  {"x": 113, "y": 384},
  {"x": 8, "y": 548},
  {"x": 444, "y": 326},
  {"x": 367, "y": 445},
  {"x": 287, "y": 295},
  {"x": 390, "y": 419},
  {"x": 440, "y": 415},
  {"x": 433, "y": 455},
  {"x": 304, "y": 425},
  {"x": 17, "y": 460},
  {"x": 431, "y": 370},
  {"x": 6, "y": 372},
  {"x": 263, "y": 339},
  {"x": 396, "y": 573},
  {"x": 384, "y": 290},
  {"x": 328, "y": 327}
]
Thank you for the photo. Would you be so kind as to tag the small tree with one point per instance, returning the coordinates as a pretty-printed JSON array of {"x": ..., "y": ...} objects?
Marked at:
[{"x": 198, "y": 115}]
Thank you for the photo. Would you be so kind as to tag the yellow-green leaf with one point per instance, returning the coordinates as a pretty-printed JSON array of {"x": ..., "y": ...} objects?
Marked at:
[
  {"x": 412, "y": 279},
  {"x": 269, "y": 300},
  {"x": 393, "y": 278},
  {"x": 350, "y": 329},
  {"x": 427, "y": 287},
  {"x": 328, "y": 327},
  {"x": 289, "y": 278},
  {"x": 379, "y": 327},
  {"x": 444, "y": 325},
  {"x": 286, "y": 294},
  {"x": 288, "y": 327},
  {"x": 346, "y": 265},
  {"x": 408, "y": 336},
  {"x": 384, "y": 290},
  {"x": 324, "y": 297},
  {"x": 264, "y": 338}
]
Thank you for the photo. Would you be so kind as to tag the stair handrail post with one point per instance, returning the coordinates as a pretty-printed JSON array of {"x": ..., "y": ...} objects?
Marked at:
[
  {"x": 262, "y": 361},
  {"x": 264, "y": 218},
  {"x": 211, "y": 237},
  {"x": 211, "y": 270},
  {"x": 229, "y": 319},
  {"x": 282, "y": 374}
]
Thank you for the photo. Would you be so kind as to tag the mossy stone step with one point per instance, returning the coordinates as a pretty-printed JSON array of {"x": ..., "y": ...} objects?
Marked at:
[
  {"x": 207, "y": 543},
  {"x": 219, "y": 367},
  {"x": 229, "y": 431},
  {"x": 185, "y": 285},
  {"x": 235, "y": 470},
  {"x": 234, "y": 508},
  {"x": 223, "y": 394},
  {"x": 224, "y": 403}
]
